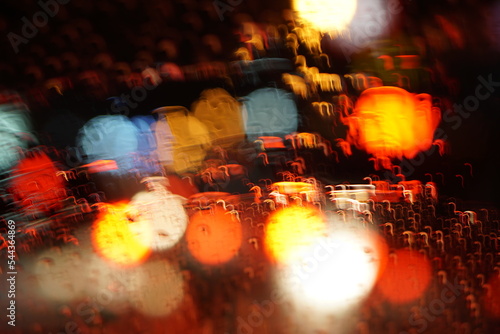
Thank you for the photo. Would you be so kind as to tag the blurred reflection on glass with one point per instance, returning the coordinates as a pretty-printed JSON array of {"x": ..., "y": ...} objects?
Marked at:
[
  {"x": 291, "y": 230},
  {"x": 59, "y": 274},
  {"x": 406, "y": 277},
  {"x": 15, "y": 133},
  {"x": 214, "y": 238},
  {"x": 333, "y": 275},
  {"x": 100, "y": 166},
  {"x": 182, "y": 140},
  {"x": 157, "y": 217},
  {"x": 146, "y": 159},
  {"x": 109, "y": 137},
  {"x": 491, "y": 303},
  {"x": 269, "y": 111},
  {"x": 113, "y": 238},
  {"x": 221, "y": 114},
  {"x": 326, "y": 15},
  {"x": 156, "y": 288},
  {"x": 390, "y": 122},
  {"x": 36, "y": 185}
]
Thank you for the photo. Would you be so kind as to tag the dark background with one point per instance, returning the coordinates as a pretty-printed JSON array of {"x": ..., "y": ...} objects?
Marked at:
[{"x": 83, "y": 30}]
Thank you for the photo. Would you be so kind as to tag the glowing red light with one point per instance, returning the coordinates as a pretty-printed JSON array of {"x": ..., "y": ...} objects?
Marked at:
[{"x": 406, "y": 277}]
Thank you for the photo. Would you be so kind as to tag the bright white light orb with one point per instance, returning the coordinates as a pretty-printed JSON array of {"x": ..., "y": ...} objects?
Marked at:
[
  {"x": 335, "y": 273},
  {"x": 159, "y": 219},
  {"x": 327, "y": 16}
]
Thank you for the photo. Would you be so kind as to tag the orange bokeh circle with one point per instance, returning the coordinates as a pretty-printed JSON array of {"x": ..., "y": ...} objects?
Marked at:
[
  {"x": 214, "y": 237},
  {"x": 406, "y": 277},
  {"x": 391, "y": 122}
]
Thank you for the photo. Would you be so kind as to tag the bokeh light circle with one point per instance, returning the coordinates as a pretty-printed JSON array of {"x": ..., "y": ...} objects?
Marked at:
[
  {"x": 159, "y": 219},
  {"x": 114, "y": 240},
  {"x": 406, "y": 277},
  {"x": 335, "y": 272},
  {"x": 214, "y": 237},
  {"x": 290, "y": 230},
  {"x": 326, "y": 15}
]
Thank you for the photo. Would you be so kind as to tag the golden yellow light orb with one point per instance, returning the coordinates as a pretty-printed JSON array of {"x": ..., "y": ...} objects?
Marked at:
[
  {"x": 292, "y": 230},
  {"x": 113, "y": 239}
]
